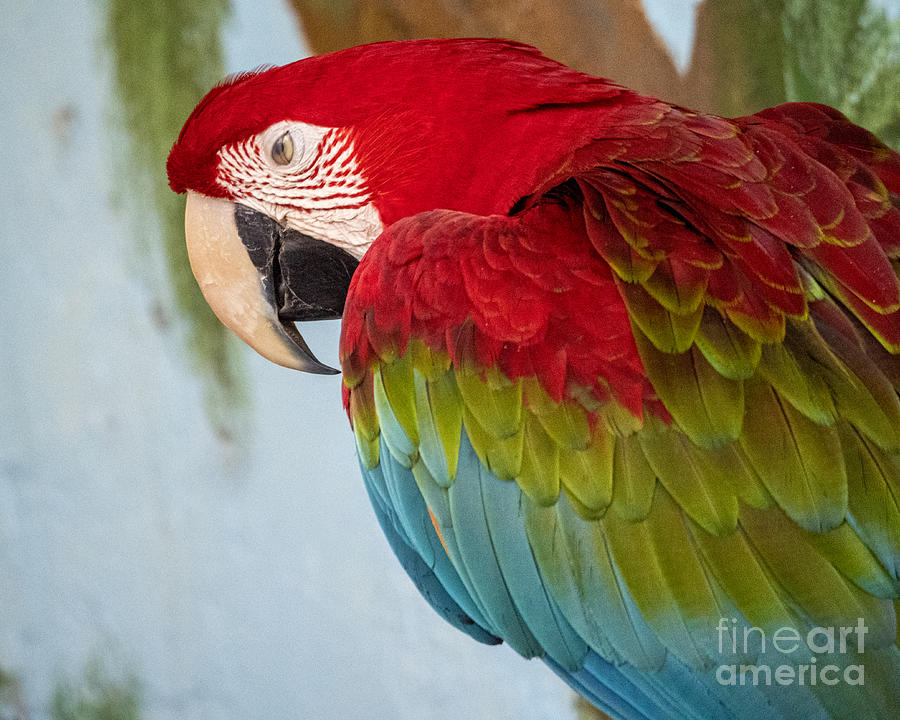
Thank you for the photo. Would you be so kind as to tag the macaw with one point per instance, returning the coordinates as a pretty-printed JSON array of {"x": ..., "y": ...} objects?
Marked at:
[{"x": 622, "y": 376}]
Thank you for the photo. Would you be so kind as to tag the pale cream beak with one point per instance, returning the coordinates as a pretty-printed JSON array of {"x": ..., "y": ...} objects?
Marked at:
[{"x": 234, "y": 287}]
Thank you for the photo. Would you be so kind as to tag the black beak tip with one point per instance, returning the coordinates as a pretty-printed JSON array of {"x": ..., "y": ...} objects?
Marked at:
[
  {"x": 311, "y": 364},
  {"x": 322, "y": 369}
]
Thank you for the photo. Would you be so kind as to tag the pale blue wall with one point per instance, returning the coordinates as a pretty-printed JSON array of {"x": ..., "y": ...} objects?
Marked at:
[{"x": 236, "y": 580}]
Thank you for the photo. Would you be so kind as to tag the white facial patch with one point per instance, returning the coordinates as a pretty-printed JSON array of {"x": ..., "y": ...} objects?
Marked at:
[{"x": 320, "y": 192}]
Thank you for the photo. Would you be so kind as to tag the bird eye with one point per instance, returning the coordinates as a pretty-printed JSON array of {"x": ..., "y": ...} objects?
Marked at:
[{"x": 283, "y": 149}]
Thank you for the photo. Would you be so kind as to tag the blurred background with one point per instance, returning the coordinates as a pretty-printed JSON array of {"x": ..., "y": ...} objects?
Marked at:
[{"x": 183, "y": 533}]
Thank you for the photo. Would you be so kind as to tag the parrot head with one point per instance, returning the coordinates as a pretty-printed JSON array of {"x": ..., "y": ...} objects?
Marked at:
[{"x": 292, "y": 172}]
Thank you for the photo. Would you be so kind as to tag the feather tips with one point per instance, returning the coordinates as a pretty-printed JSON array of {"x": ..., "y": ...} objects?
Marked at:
[{"x": 641, "y": 436}]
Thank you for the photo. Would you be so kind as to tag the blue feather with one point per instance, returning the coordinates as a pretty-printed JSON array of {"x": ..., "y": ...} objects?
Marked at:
[
  {"x": 432, "y": 584},
  {"x": 510, "y": 569}
]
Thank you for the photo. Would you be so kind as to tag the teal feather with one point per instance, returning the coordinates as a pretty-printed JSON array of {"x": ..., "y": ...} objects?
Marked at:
[
  {"x": 478, "y": 555},
  {"x": 601, "y": 591},
  {"x": 504, "y": 511},
  {"x": 438, "y": 583},
  {"x": 438, "y": 503}
]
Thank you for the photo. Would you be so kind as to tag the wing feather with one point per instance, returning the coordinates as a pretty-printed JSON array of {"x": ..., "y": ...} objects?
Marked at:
[{"x": 662, "y": 396}]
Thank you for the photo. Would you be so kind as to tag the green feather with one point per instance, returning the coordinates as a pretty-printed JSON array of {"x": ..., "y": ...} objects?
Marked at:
[
  {"x": 588, "y": 474},
  {"x": 635, "y": 480},
  {"x": 667, "y": 330},
  {"x": 502, "y": 456},
  {"x": 366, "y": 428},
  {"x": 660, "y": 568},
  {"x": 843, "y": 549},
  {"x": 741, "y": 573},
  {"x": 565, "y": 422},
  {"x": 397, "y": 384},
  {"x": 706, "y": 405},
  {"x": 729, "y": 350},
  {"x": 561, "y": 573},
  {"x": 799, "y": 462},
  {"x": 730, "y": 462},
  {"x": 620, "y": 420},
  {"x": 430, "y": 363},
  {"x": 539, "y": 474},
  {"x": 622, "y": 257},
  {"x": 579, "y": 554},
  {"x": 705, "y": 492},
  {"x": 439, "y": 413},
  {"x": 494, "y": 401},
  {"x": 768, "y": 329},
  {"x": 864, "y": 395},
  {"x": 799, "y": 381},
  {"x": 813, "y": 583},
  {"x": 683, "y": 297},
  {"x": 584, "y": 511},
  {"x": 391, "y": 405},
  {"x": 872, "y": 489},
  {"x": 435, "y": 495},
  {"x": 861, "y": 392}
]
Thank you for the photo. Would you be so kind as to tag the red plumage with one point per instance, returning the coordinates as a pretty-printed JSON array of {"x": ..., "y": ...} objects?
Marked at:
[
  {"x": 416, "y": 130},
  {"x": 737, "y": 214},
  {"x": 735, "y": 278},
  {"x": 689, "y": 205},
  {"x": 490, "y": 293}
]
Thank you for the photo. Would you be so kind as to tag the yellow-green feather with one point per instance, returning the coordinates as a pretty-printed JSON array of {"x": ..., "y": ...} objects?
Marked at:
[
  {"x": 366, "y": 428},
  {"x": 741, "y": 573},
  {"x": 733, "y": 353},
  {"x": 494, "y": 401},
  {"x": 668, "y": 330},
  {"x": 566, "y": 422},
  {"x": 439, "y": 413},
  {"x": 634, "y": 479},
  {"x": 395, "y": 407},
  {"x": 588, "y": 474},
  {"x": 706, "y": 494},
  {"x": 707, "y": 406},
  {"x": 826, "y": 597},
  {"x": 873, "y": 497},
  {"x": 501, "y": 455},
  {"x": 678, "y": 298},
  {"x": 664, "y": 578},
  {"x": 539, "y": 473},
  {"x": 847, "y": 553},
  {"x": 798, "y": 461},
  {"x": 799, "y": 381}
]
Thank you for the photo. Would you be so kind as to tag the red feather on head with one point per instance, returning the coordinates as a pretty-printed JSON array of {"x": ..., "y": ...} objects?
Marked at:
[
  {"x": 714, "y": 302},
  {"x": 681, "y": 203},
  {"x": 420, "y": 113}
]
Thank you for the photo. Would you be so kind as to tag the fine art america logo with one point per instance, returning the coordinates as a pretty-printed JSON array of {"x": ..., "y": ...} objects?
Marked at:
[{"x": 820, "y": 657}]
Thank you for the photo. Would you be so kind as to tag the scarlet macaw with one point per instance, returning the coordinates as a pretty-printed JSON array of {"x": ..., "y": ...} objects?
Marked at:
[{"x": 622, "y": 376}]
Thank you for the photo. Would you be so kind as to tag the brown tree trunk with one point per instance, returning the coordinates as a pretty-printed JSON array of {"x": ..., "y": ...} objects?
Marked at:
[{"x": 609, "y": 38}]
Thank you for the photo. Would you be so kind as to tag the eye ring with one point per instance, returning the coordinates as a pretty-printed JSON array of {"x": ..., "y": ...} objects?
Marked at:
[{"x": 283, "y": 149}]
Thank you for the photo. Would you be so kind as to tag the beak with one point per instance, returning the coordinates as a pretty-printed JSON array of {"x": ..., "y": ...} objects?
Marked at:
[{"x": 259, "y": 277}]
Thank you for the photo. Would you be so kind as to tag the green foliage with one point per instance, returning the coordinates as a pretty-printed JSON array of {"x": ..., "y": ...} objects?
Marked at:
[
  {"x": 97, "y": 697},
  {"x": 11, "y": 704},
  {"x": 167, "y": 54},
  {"x": 845, "y": 53},
  {"x": 748, "y": 53}
]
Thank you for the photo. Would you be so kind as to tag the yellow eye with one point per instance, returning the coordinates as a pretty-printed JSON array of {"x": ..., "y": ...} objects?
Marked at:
[{"x": 283, "y": 149}]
